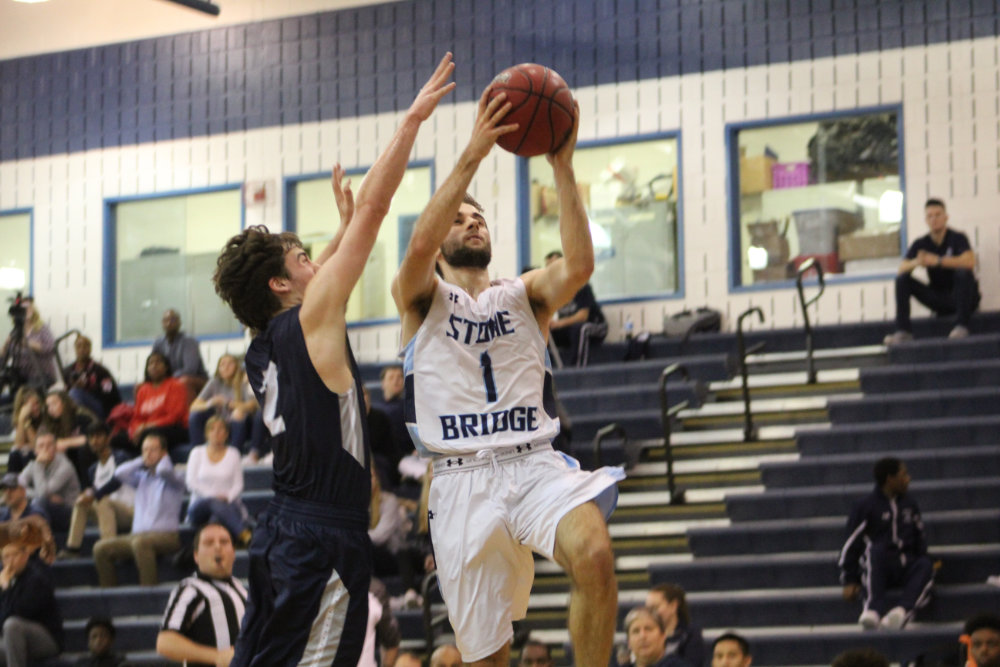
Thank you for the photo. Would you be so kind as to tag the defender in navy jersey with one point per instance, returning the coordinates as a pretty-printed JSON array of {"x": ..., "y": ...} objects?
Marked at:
[
  {"x": 310, "y": 558},
  {"x": 479, "y": 399}
]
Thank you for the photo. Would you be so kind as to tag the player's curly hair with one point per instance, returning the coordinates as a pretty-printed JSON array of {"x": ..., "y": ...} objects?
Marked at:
[{"x": 245, "y": 267}]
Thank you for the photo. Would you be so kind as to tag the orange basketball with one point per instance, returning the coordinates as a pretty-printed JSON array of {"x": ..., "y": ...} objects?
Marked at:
[{"x": 542, "y": 106}]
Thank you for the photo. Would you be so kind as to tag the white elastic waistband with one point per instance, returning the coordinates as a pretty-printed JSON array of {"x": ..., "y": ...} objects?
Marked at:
[{"x": 487, "y": 457}]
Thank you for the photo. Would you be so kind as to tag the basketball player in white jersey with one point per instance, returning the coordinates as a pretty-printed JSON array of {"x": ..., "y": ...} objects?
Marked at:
[{"x": 478, "y": 399}]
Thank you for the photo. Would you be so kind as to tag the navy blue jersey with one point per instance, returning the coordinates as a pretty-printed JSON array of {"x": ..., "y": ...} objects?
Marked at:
[
  {"x": 319, "y": 438},
  {"x": 890, "y": 523},
  {"x": 952, "y": 245}
]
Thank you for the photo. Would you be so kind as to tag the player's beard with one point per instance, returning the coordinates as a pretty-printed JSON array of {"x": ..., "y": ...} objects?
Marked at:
[{"x": 460, "y": 257}]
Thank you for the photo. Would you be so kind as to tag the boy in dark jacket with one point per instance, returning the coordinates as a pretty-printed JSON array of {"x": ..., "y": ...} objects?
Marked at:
[
  {"x": 886, "y": 547},
  {"x": 32, "y": 624}
]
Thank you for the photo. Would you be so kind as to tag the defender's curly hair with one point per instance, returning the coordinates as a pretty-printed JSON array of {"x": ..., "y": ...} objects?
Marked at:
[{"x": 245, "y": 267}]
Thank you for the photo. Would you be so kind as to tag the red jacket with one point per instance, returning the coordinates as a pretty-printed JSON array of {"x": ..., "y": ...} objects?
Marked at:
[{"x": 159, "y": 405}]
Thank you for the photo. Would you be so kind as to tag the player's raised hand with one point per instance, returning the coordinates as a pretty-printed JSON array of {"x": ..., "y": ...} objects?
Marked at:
[
  {"x": 436, "y": 87},
  {"x": 343, "y": 194},
  {"x": 564, "y": 155},
  {"x": 488, "y": 128}
]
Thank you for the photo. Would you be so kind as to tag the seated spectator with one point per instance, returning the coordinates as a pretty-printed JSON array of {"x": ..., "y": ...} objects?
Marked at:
[
  {"x": 229, "y": 396},
  {"x": 35, "y": 351},
  {"x": 982, "y": 636},
  {"x": 578, "y": 322},
  {"x": 205, "y": 611},
  {"x": 69, "y": 422},
  {"x": 860, "y": 657},
  {"x": 161, "y": 405},
  {"x": 28, "y": 411},
  {"x": 885, "y": 547},
  {"x": 15, "y": 498},
  {"x": 535, "y": 654},
  {"x": 950, "y": 264},
  {"x": 91, "y": 384},
  {"x": 731, "y": 650},
  {"x": 385, "y": 456},
  {"x": 393, "y": 385},
  {"x": 183, "y": 353},
  {"x": 683, "y": 639},
  {"x": 32, "y": 531},
  {"x": 105, "y": 498},
  {"x": 389, "y": 526},
  {"x": 382, "y": 635},
  {"x": 32, "y": 624},
  {"x": 51, "y": 481},
  {"x": 101, "y": 645},
  {"x": 647, "y": 636},
  {"x": 446, "y": 656},
  {"x": 214, "y": 477},
  {"x": 159, "y": 492}
]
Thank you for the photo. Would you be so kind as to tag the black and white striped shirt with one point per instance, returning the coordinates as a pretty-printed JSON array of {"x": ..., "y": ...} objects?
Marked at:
[{"x": 207, "y": 611}]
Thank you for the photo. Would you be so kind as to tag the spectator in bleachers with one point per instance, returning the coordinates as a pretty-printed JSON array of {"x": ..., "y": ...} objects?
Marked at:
[
  {"x": 28, "y": 411},
  {"x": 214, "y": 476},
  {"x": 384, "y": 453},
  {"x": 15, "y": 498},
  {"x": 205, "y": 611},
  {"x": 885, "y": 527},
  {"x": 731, "y": 650},
  {"x": 950, "y": 263},
  {"x": 860, "y": 657},
  {"x": 389, "y": 526},
  {"x": 51, "y": 481},
  {"x": 159, "y": 492},
  {"x": 229, "y": 396},
  {"x": 161, "y": 405},
  {"x": 683, "y": 639},
  {"x": 90, "y": 384},
  {"x": 647, "y": 636},
  {"x": 982, "y": 635},
  {"x": 535, "y": 654},
  {"x": 446, "y": 656},
  {"x": 582, "y": 315},
  {"x": 105, "y": 498},
  {"x": 407, "y": 659},
  {"x": 383, "y": 635},
  {"x": 184, "y": 354},
  {"x": 36, "y": 358},
  {"x": 101, "y": 645},
  {"x": 31, "y": 623},
  {"x": 69, "y": 422}
]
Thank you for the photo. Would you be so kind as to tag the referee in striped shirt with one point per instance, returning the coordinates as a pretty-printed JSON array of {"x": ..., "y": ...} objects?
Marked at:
[{"x": 205, "y": 610}]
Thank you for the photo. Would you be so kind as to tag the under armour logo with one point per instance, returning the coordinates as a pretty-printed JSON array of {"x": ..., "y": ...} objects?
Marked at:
[
  {"x": 457, "y": 462},
  {"x": 519, "y": 449},
  {"x": 452, "y": 297},
  {"x": 460, "y": 462},
  {"x": 430, "y": 515},
  {"x": 528, "y": 446}
]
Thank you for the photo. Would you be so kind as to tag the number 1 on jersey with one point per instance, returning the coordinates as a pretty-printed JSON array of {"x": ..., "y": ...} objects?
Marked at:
[{"x": 491, "y": 386}]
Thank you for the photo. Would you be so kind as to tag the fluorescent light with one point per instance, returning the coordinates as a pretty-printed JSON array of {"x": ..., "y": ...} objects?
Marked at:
[
  {"x": 757, "y": 257},
  {"x": 11, "y": 278},
  {"x": 30, "y": 2}
]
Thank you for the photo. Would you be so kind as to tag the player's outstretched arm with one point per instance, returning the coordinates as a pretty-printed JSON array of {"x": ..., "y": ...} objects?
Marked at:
[
  {"x": 415, "y": 279},
  {"x": 553, "y": 286},
  {"x": 330, "y": 288}
]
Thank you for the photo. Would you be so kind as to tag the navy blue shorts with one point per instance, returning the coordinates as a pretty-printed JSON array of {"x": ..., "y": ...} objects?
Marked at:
[{"x": 310, "y": 567}]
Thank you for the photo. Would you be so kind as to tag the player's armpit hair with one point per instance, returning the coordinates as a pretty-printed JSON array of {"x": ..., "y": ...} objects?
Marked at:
[{"x": 244, "y": 270}]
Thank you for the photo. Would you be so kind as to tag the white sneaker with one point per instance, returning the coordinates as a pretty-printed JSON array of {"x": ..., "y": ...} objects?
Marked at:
[
  {"x": 959, "y": 332},
  {"x": 897, "y": 337},
  {"x": 895, "y": 619},
  {"x": 869, "y": 619},
  {"x": 993, "y": 580}
]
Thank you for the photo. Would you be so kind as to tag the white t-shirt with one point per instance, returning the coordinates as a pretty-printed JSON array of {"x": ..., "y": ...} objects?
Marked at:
[
  {"x": 104, "y": 473},
  {"x": 206, "y": 479}
]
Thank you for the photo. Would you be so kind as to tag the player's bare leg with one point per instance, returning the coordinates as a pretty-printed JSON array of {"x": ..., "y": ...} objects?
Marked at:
[
  {"x": 583, "y": 549},
  {"x": 499, "y": 659}
]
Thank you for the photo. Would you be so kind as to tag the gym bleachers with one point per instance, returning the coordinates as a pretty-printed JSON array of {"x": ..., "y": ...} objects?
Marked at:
[{"x": 756, "y": 539}]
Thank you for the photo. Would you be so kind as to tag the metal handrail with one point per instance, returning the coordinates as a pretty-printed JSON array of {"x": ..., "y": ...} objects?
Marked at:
[
  {"x": 805, "y": 267},
  {"x": 667, "y": 414},
  {"x": 749, "y": 433},
  {"x": 603, "y": 432}
]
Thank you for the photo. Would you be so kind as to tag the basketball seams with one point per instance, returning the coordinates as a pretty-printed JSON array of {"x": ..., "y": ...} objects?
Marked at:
[{"x": 528, "y": 86}]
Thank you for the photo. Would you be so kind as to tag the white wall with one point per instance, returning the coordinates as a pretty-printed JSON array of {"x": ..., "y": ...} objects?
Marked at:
[{"x": 951, "y": 115}]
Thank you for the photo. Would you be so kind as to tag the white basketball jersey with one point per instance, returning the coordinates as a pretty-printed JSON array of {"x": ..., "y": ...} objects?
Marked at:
[{"x": 478, "y": 373}]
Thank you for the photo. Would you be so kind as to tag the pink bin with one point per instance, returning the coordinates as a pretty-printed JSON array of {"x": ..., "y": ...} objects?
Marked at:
[{"x": 789, "y": 175}]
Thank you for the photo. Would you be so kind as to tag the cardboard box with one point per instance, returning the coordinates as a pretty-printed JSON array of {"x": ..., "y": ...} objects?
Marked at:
[
  {"x": 771, "y": 273},
  {"x": 545, "y": 199},
  {"x": 756, "y": 174},
  {"x": 868, "y": 246}
]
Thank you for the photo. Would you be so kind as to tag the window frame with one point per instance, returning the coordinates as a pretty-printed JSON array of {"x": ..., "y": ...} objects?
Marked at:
[
  {"x": 735, "y": 254},
  {"x": 109, "y": 307},
  {"x": 290, "y": 213},
  {"x": 30, "y": 287},
  {"x": 523, "y": 177}
]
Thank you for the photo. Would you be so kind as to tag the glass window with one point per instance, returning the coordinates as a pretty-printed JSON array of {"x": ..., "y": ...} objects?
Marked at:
[
  {"x": 163, "y": 251},
  {"x": 630, "y": 193},
  {"x": 313, "y": 216},
  {"x": 826, "y": 187},
  {"x": 15, "y": 256}
]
